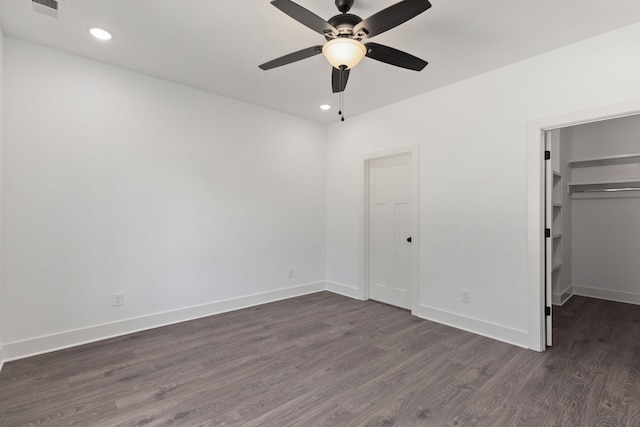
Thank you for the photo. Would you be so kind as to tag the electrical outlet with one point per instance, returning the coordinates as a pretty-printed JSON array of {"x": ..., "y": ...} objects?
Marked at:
[
  {"x": 117, "y": 299},
  {"x": 465, "y": 296},
  {"x": 291, "y": 273}
]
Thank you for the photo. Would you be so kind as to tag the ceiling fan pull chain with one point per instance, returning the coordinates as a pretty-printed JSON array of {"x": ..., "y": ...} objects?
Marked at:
[
  {"x": 342, "y": 86},
  {"x": 341, "y": 91}
]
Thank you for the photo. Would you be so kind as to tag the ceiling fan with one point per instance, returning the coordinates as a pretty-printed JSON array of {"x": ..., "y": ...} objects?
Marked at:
[{"x": 344, "y": 34}]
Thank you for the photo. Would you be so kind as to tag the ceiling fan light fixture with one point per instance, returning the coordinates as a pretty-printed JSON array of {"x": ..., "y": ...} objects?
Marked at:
[{"x": 344, "y": 52}]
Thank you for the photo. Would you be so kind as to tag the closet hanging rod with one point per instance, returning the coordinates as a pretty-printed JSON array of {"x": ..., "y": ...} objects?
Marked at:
[{"x": 606, "y": 190}]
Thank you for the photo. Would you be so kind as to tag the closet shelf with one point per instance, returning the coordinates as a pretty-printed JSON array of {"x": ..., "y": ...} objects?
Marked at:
[
  {"x": 618, "y": 159},
  {"x": 556, "y": 266},
  {"x": 557, "y": 235},
  {"x": 604, "y": 186}
]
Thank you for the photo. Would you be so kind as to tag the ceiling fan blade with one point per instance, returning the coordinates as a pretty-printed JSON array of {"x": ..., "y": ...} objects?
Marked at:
[
  {"x": 339, "y": 79},
  {"x": 305, "y": 17},
  {"x": 292, "y": 57},
  {"x": 390, "y": 17},
  {"x": 395, "y": 57}
]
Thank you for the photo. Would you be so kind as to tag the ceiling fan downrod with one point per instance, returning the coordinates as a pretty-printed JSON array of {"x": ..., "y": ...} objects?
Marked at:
[{"x": 344, "y": 5}]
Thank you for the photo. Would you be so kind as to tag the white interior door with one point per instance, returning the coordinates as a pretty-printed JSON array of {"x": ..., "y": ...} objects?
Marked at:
[
  {"x": 390, "y": 237},
  {"x": 548, "y": 169}
]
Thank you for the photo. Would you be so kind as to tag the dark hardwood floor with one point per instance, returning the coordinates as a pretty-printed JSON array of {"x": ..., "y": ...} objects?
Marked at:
[{"x": 327, "y": 360}]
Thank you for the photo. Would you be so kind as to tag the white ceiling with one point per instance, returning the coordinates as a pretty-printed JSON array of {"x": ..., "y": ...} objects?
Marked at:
[{"x": 217, "y": 45}]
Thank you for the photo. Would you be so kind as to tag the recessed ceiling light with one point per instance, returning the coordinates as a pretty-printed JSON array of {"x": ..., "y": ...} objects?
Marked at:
[
  {"x": 101, "y": 34},
  {"x": 325, "y": 107}
]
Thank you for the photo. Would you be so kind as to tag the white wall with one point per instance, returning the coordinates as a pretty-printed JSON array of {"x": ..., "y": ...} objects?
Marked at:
[
  {"x": 114, "y": 181},
  {"x": 606, "y": 239},
  {"x": 473, "y": 177},
  {"x": 2, "y": 318},
  {"x": 192, "y": 203}
]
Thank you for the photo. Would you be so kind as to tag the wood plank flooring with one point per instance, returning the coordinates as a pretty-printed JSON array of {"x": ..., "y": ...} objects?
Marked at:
[{"x": 327, "y": 360}]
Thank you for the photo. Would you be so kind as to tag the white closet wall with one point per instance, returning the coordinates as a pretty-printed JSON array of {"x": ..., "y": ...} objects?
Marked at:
[{"x": 606, "y": 227}]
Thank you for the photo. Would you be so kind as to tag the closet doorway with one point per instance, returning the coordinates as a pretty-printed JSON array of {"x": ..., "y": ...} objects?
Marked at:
[{"x": 592, "y": 213}]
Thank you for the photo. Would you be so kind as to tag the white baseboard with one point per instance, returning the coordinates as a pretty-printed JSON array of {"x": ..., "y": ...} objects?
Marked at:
[
  {"x": 59, "y": 341},
  {"x": 561, "y": 299},
  {"x": 608, "y": 294},
  {"x": 480, "y": 327},
  {"x": 345, "y": 290}
]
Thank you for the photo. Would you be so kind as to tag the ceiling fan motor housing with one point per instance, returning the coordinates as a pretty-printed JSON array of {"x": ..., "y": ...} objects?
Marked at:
[{"x": 344, "y": 23}]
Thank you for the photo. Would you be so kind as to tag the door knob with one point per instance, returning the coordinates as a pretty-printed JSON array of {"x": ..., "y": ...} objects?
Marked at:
[{"x": 409, "y": 239}]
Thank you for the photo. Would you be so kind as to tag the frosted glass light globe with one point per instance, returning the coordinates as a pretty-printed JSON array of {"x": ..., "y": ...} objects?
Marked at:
[{"x": 344, "y": 52}]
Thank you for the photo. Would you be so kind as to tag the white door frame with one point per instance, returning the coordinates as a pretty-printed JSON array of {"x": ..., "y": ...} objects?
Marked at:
[
  {"x": 365, "y": 159},
  {"x": 536, "y": 206}
]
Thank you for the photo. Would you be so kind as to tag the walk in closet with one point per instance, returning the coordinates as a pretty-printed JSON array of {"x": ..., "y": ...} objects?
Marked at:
[{"x": 595, "y": 210}]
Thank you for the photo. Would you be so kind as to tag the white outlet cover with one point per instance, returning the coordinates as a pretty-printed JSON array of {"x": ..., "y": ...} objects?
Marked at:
[
  {"x": 117, "y": 299},
  {"x": 465, "y": 296}
]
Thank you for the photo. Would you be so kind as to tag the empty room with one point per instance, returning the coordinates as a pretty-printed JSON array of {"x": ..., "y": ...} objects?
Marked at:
[{"x": 319, "y": 213}]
